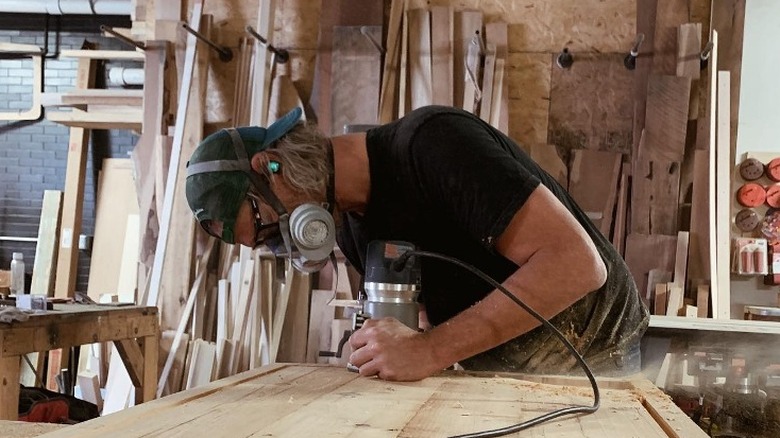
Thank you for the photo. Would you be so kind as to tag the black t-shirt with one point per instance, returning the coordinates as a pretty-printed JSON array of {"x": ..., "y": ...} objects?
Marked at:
[{"x": 448, "y": 182}]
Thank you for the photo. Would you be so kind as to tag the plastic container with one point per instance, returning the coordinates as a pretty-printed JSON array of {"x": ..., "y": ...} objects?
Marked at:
[{"x": 17, "y": 274}]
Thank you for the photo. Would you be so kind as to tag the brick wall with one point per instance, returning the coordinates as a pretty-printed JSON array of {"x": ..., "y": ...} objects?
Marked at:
[{"x": 33, "y": 155}]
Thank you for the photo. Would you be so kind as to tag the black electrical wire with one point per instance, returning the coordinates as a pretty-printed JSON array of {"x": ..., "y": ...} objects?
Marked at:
[{"x": 542, "y": 418}]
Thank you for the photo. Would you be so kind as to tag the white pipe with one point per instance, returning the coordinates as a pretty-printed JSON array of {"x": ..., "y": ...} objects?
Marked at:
[
  {"x": 123, "y": 76},
  {"x": 65, "y": 7}
]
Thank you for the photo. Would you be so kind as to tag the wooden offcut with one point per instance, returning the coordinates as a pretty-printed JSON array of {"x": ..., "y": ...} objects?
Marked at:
[
  {"x": 666, "y": 122},
  {"x": 46, "y": 247},
  {"x": 646, "y": 252},
  {"x": 591, "y": 170},
  {"x": 293, "y": 399}
]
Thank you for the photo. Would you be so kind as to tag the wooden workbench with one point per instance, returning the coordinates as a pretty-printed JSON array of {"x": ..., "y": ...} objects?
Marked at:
[
  {"x": 133, "y": 329},
  {"x": 318, "y": 401}
]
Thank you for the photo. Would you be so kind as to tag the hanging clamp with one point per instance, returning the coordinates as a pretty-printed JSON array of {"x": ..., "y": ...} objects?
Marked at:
[
  {"x": 282, "y": 55},
  {"x": 704, "y": 58},
  {"x": 225, "y": 54},
  {"x": 630, "y": 60}
]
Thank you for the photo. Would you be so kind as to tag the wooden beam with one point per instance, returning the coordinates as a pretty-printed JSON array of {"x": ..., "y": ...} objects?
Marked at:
[
  {"x": 263, "y": 64},
  {"x": 388, "y": 99},
  {"x": 118, "y": 119},
  {"x": 712, "y": 113},
  {"x": 94, "y": 97},
  {"x": 46, "y": 248},
  {"x": 73, "y": 200}
]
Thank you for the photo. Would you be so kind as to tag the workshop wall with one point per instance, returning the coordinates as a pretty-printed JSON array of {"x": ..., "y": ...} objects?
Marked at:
[{"x": 33, "y": 155}]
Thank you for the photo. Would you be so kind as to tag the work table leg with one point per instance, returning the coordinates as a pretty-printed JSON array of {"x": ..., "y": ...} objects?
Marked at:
[
  {"x": 9, "y": 391},
  {"x": 150, "y": 348}
]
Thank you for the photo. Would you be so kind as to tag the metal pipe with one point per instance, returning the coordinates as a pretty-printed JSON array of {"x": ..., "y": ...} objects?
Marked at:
[{"x": 66, "y": 7}]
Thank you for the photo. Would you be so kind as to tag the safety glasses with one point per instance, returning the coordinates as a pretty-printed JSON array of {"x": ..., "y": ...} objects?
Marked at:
[{"x": 262, "y": 231}]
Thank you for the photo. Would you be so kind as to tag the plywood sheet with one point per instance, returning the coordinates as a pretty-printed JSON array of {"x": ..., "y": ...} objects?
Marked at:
[
  {"x": 591, "y": 104},
  {"x": 528, "y": 78},
  {"x": 116, "y": 202}
]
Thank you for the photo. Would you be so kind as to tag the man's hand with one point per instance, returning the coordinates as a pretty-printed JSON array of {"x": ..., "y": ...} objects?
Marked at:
[{"x": 388, "y": 349}]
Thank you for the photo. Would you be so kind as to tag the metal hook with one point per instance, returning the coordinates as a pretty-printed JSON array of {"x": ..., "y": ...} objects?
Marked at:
[
  {"x": 123, "y": 38},
  {"x": 365, "y": 31},
  {"x": 282, "y": 55},
  {"x": 225, "y": 54},
  {"x": 705, "y": 55},
  {"x": 630, "y": 60}
]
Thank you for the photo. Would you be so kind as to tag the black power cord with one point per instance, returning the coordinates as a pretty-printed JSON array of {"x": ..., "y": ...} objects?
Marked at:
[{"x": 401, "y": 261}]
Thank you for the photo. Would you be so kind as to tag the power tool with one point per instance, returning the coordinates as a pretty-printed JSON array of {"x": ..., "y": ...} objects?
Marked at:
[{"x": 391, "y": 288}]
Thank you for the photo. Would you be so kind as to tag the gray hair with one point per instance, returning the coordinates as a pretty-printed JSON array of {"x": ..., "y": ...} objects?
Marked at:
[{"x": 303, "y": 155}]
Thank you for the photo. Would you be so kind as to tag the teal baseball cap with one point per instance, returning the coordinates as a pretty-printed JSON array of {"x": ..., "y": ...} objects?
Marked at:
[{"x": 218, "y": 172}]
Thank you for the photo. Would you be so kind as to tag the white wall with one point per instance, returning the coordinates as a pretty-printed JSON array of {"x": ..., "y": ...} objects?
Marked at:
[{"x": 759, "y": 100}]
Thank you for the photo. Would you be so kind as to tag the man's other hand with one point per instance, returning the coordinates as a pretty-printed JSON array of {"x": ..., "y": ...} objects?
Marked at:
[{"x": 388, "y": 349}]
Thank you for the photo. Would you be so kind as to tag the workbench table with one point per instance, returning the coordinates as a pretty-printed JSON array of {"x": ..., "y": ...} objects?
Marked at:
[
  {"x": 133, "y": 329},
  {"x": 325, "y": 401}
]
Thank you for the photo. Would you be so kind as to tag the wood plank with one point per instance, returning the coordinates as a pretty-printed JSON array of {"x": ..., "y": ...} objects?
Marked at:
[
  {"x": 496, "y": 33},
  {"x": 724, "y": 166},
  {"x": 646, "y": 252},
  {"x": 203, "y": 360},
  {"x": 654, "y": 278},
  {"x": 96, "y": 119},
  {"x": 467, "y": 24},
  {"x": 421, "y": 87},
  {"x": 498, "y": 117},
  {"x": 689, "y": 50},
  {"x": 646, "y": 12},
  {"x": 591, "y": 104},
  {"x": 667, "y": 117},
  {"x": 10, "y": 368},
  {"x": 591, "y": 169},
  {"x": 675, "y": 301},
  {"x": 120, "y": 97},
  {"x": 388, "y": 100},
  {"x": 621, "y": 211},
  {"x": 669, "y": 16},
  {"x": 356, "y": 67},
  {"x": 46, "y": 247},
  {"x": 699, "y": 238},
  {"x": 442, "y": 28},
  {"x": 681, "y": 260},
  {"x": 73, "y": 199},
  {"x": 712, "y": 186},
  {"x": 295, "y": 329},
  {"x": 702, "y": 300},
  {"x": 488, "y": 74},
  {"x": 660, "y": 300},
  {"x": 321, "y": 316},
  {"x": 403, "y": 74},
  {"x": 263, "y": 67}
]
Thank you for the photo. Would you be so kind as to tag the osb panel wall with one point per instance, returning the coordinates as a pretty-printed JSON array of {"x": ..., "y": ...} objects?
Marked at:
[
  {"x": 595, "y": 32},
  {"x": 589, "y": 106}
]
